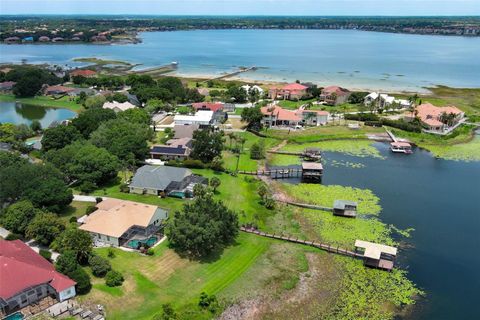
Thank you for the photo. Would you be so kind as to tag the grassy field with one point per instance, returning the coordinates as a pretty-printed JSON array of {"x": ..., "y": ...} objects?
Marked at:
[
  {"x": 44, "y": 101},
  {"x": 287, "y": 104},
  {"x": 168, "y": 278},
  {"x": 75, "y": 209},
  {"x": 466, "y": 99}
]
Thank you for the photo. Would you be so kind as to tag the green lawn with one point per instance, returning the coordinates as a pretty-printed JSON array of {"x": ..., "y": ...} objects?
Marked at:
[
  {"x": 168, "y": 278},
  {"x": 75, "y": 209},
  {"x": 44, "y": 101},
  {"x": 287, "y": 104}
]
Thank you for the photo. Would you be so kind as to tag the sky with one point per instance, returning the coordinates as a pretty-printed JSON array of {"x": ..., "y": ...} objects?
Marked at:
[{"x": 244, "y": 7}]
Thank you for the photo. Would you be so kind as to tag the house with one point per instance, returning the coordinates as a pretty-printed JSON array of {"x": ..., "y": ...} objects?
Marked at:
[
  {"x": 202, "y": 118},
  {"x": 345, "y": 208},
  {"x": 431, "y": 117},
  {"x": 58, "y": 90},
  {"x": 384, "y": 101},
  {"x": 124, "y": 223},
  {"x": 334, "y": 95},
  {"x": 212, "y": 106},
  {"x": 175, "y": 149},
  {"x": 44, "y": 39},
  {"x": 292, "y": 91},
  {"x": 26, "y": 278},
  {"x": 248, "y": 88},
  {"x": 164, "y": 181},
  {"x": 12, "y": 40},
  {"x": 203, "y": 91},
  {"x": 7, "y": 86},
  {"x": 57, "y": 39},
  {"x": 133, "y": 99},
  {"x": 117, "y": 106},
  {"x": 83, "y": 73},
  {"x": 7, "y": 147},
  {"x": 185, "y": 131},
  {"x": 274, "y": 115},
  {"x": 27, "y": 39}
]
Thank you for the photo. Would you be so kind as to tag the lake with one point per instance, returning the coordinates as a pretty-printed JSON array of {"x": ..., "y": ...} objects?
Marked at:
[
  {"x": 18, "y": 113},
  {"x": 355, "y": 59},
  {"x": 438, "y": 198}
]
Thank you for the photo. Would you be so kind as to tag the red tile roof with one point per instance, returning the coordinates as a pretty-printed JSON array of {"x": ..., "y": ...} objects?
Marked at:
[
  {"x": 21, "y": 268},
  {"x": 280, "y": 113},
  {"x": 59, "y": 89},
  {"x": 208, "y": 106},
  {"x": 295, "y": 87},
  {"x": 83, "y": 73},
  {"x": 430, "y": 114},
  {"x": 334, "y": 89}
]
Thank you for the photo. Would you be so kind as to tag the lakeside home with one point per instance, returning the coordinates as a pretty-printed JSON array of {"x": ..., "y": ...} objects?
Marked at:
[
  {"x": 384, "y": 101},
  {"x": 27, "y": 278},
  {"x": 123, "y": 223},
  {"x": 117, "y": 106},
  {"x": 175, "y": 149},
  {"x": 439, "y": 120},
  {"x": 164, "y": 181},
  {"x": 334, "y": 95},
  {"x": 292, "y": 91},
  {"x": 274, "y": 115},
  {"x": 83, "y": 73},
  {"x": 202, "y": 118}
]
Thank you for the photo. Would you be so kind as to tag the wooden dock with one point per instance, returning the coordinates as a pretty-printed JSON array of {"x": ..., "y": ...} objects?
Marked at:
[
  {"x": 232, "y": 74},
  {"x": 276, "y": 173},
  {"x": 319, "y": 245}
]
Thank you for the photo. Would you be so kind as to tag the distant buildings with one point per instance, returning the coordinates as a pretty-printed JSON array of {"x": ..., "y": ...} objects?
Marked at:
[
  {"x": 334, "y": 95},
  {"x": 201, "y": 118},
  {"x": 212, "y": 106},
  {"x": 26, "y": 278},
  {"x": 274, "y": 115},
  {"x": 58, "y": 90},
  {"x": 249, "y": 88},
  {"x": 292, "y": 91},
  {"x": 438, "y": 119},
  {"x": 164, "y": 181},
  {"x": 7, "y": 86},
  {"x": 83, "y": 73},
  {"x": 384, "y": 101},
  {"x": 123, "y": 223},
  {"x": 117, "y": 106}
]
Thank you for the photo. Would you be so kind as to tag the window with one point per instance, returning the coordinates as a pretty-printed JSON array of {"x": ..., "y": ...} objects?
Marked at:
[{"x": 108, "y": 238}]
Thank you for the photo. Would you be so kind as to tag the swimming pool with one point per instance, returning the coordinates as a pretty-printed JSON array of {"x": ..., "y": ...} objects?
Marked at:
[
  {"x": 14, "y": 316},
  {"x": 135, "y": 244}
]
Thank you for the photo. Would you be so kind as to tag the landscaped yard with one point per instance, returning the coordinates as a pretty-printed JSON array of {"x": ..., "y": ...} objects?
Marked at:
[{"x": 44, "y": 101}]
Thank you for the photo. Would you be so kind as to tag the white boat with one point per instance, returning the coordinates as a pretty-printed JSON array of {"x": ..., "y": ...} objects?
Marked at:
[{"x": 401, "y": 147}]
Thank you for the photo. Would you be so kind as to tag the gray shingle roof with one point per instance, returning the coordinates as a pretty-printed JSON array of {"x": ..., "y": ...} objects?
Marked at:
[
  {"x": 158, "y": 177},
  {"x": 340, "y": 204}
]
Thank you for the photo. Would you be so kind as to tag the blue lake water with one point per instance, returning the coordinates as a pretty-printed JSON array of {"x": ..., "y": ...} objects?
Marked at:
[
  {"x": 18, "y": 113},
  {"x": 439, "y": 199},
  {"x": 354, "y": 59}
]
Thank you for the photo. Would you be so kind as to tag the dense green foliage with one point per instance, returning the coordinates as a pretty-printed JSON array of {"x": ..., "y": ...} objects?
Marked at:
[
  {"x": 136, "y": 115},
  {"x": 17, "y": 217},
  {"x": 83, "y": 162},
  {"x": 81, "y": 277},
  {"x": 77, "y": 241},
  {"x": 100, "y": 266},
  {"x": 207, "y": 145},
  {"x": 44, "y": 228},
  {"x": 29, "y": 80},
  {"x": 43, "y": 185},
  {"x": 202, "y": 227},
  {"x": 126, "y": 140},
  {"x": 253, "y": 117},
  {"x": 59, "y": 137},
  {"x": 88, "y": 121},
  {"x": 114, "y": 278}
]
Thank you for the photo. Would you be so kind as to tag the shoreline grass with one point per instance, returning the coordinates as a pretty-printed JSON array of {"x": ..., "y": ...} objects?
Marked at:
[{"x": 43, "y": 101}]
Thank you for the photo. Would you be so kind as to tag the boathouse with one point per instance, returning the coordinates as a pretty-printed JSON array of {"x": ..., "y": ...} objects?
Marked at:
[
  {"x": 376, "y": 255},
  {"x": 312, "y": 171},
  {"x": 312, "y": 154},
  {"x": 345, "y": 208}
]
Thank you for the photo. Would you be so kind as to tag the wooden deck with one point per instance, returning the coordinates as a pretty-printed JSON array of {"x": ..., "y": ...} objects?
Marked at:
[{"x": 276, "y": 173}]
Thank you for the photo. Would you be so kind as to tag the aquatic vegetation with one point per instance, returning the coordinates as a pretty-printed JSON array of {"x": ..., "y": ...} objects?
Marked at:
[
  {"x": 365, "y": 293},
  {"x": 358, "y": 148},
  {"x": 347, "y": 164},
  {"x": 461, "y": 152},
  {"x": 325, "y": 196}
]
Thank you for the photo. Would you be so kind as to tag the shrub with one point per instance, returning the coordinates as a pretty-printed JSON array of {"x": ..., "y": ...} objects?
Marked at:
[
  {"x": 111, "y": 253},
  {"x": 269, "y": 203},
  {"x": 362, "y": 117},
  {"x": 257, "y": 151},
  {"x": 46, "y": 254},
  {"x": 208, "y": 302},
  {"x": 98, "y": 199},
  {"x": 90, "y": 209},
  {"x": 72, "y": 220},
  {"x": 87, "y": 187},
  {"x": 113, "y": 278},
  {"x": 195, "y": 164},
  {"x": 13, "y": 236},
  {"x": 100, "y": 266},
  {"x": 124, "y": 188},
  {"x": 82, "y": 279},
  {"x": 150, "y": 252}
]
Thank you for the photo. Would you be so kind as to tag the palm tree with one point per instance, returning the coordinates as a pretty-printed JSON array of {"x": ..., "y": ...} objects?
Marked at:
[{"x": 231, "y": 138}]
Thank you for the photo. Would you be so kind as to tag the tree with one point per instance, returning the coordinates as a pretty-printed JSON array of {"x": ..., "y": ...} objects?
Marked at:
[
  {"x": 91, "y": 119},
  {"x": 118, "y": 97},
  {"x": 77, "y": 241},
  {"x": 95, "y": 102},
  {"x": 66, "y": 262},
  {"x": 217, "y": 164},
  {"x": 207, "y": 145},
  {"x": 208, "y": 302},
  {"x": 43, "y": 185},
  {"x": 84, "y": 162},
  {"x": 17, "y": 217},
  {"x": 100, "y": 266},
  {"x": 82, "y": 279},
  {"x": 215, "y": 183},
  {"x": 202, "y": 227},
  {"x": 237, "y": 94},
  {"x": 59, "y": 137},
  {"x": 36, "y": 126},
  {"x": 136, "y": 115},
  {"x": 114, "y": 278},
  {"x": 262, "y": 191},
  {"x": 44, "y": 228},
  {"x": 29, "y": 80},
  {"x": 257, "y": 151},
  {"x": 253, "y": 117},
  {"x": 124, "y": 139},
  {"x": 168, "y": 313}
]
